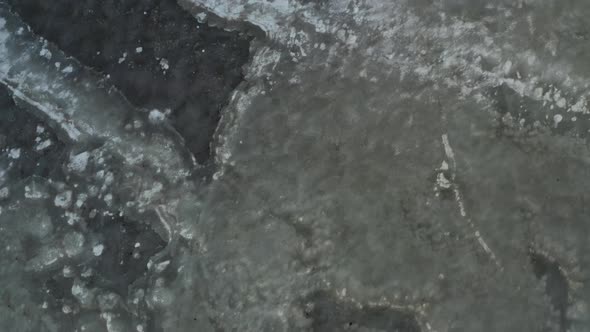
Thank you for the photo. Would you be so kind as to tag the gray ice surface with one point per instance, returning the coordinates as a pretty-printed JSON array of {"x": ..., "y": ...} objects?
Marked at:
[{"x": 401, "y": 165}]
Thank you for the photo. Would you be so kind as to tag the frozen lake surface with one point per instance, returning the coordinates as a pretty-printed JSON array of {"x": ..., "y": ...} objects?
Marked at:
[{"x": 294, "y": 165}]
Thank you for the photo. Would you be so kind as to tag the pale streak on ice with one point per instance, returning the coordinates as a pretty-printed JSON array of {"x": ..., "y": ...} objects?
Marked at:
[
  {"x": 449, "y": 151},
  {"x": 72, "y": 132},
  {"x": 276, "y": 20},
  {"x": 6, "y": 61},
  {"x": 460, "y": 203},
  {"x": 164, "y": 221},
  {"x": 85, "y": 110}
]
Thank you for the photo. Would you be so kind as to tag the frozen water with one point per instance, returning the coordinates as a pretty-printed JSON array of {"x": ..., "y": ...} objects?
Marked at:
[
  {"x": 154, "y": 63},
  {"x": 383, "y": 166}
]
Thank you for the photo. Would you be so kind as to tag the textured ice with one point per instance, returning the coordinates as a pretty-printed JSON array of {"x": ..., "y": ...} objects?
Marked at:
[
  {"x": 157, "y": 63},
  {"x": 384, "y": 166}
]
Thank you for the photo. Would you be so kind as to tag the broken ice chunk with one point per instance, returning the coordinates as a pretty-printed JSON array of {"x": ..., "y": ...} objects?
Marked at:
[
  {"x": 557, "y": 118},
  {"x": 156, "y": 116},
  {"x": 45, "y": 53},
  {"x": 98, "y": 249},
  {"x": 442, "y": 181},
  {"x": 201, "y": 17},
  {"x": 47, "y": 258},
  {"x": 63, "y": 200},
  {"x": 14, "y": 153},
  {"x": 160, "y": 267},
  {"x": 160, "y": 297},
  {"x": 43, "y": 145},
  {"x": 4, "y": 192},
  {"x": 108, "y": 301},
  {"x": 122, "y": 59},
  {"x": 67, "y": 70},
  {"x": 108, "y": 199},
  {"x": 81, "y": 199},
  {"x": 67, "y": 271},
  {"x": 82, "y": 293},
  {"x": 79, "y": 162},
  {"x": 35, "y": 190},
  {"x": 42, "y": 225},
  {"x": 164, "y": 64},
  {"x": 72, "y": 217},
  {"x": 73, "y": 243}
]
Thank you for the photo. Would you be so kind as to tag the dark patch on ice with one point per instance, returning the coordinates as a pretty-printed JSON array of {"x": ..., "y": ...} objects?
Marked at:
[
  {"x": 172, "y": 61},
  {"x": 18, "y": 132},
  {"x": 556, "y": 286},
  {"x": 121, "y": 262},
  {"x": 534, "y": 114},
  {"x": 119, "y": 271},
  {"x": 317, "y": 3},
  {"x": 328, "y": 313}
]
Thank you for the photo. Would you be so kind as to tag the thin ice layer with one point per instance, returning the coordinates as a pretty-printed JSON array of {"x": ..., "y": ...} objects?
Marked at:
[{"x": 164, "y": 60}]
